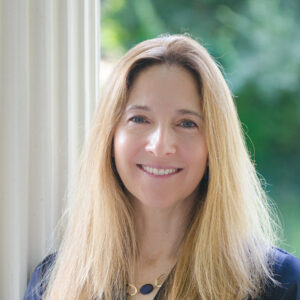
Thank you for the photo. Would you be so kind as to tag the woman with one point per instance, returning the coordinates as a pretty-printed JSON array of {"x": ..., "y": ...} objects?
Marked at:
[{"x": 167, "y": 201}]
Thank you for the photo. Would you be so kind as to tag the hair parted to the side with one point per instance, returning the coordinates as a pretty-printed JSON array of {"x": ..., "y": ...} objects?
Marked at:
[{"x": 226, "y": 251}]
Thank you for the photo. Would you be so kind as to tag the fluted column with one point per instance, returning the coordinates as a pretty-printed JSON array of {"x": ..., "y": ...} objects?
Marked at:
[{"x": 49, "y": 87}]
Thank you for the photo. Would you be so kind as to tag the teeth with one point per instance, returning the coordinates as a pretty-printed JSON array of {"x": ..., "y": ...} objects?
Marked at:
[{"x": 158, "y": 171}]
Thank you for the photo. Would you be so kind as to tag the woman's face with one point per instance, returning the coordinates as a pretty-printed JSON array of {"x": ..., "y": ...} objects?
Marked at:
[{"x": 160, "y": 149}]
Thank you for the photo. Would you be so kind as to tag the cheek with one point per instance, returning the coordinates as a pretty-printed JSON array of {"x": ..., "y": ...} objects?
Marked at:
[
  {"x": 119, "y": 139},
  {"x": 125, "y": 147},
  {"x": 195, "y": 151},
  {"x": 120, "y": 145}
]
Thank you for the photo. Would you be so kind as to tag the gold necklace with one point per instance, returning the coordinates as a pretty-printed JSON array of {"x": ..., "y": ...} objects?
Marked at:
[{"x": 146, "y": 288}]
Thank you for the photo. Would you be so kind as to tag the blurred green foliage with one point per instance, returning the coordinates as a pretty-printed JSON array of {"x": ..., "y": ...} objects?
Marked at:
[{"x": 258, "y": 44}]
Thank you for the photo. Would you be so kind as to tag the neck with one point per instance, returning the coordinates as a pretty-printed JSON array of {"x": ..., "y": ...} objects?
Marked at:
[{"x": 160, "y": 231}]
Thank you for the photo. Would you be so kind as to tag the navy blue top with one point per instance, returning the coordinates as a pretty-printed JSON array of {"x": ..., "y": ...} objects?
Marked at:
[{"x": 286, "y": 272}]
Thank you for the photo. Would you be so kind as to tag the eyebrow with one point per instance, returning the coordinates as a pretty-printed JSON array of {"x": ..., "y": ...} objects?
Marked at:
[
  {"x": 189, "y": 112},
  {"x": 179, "y": 111},
  {"x": 137, "y": 107}
]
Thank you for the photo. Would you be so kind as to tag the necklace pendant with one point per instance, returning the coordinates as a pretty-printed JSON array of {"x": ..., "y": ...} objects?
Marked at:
[{"x": 146, "y": 289}]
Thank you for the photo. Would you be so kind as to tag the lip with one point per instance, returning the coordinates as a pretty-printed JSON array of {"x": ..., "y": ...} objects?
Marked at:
[{"x": 159, "y": 167}]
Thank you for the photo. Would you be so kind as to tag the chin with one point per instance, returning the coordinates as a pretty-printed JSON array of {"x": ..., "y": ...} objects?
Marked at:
[{"x": 158, "y": 202}]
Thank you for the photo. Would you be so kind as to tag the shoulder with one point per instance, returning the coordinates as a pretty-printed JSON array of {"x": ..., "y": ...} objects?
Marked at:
[
  {"x": 37, "y": 283},
  {"x": 287, "y": 266},
  {"x": 286, "y": 271}
]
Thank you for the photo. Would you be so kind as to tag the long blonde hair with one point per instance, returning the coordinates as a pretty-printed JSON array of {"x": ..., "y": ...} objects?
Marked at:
[{"x": 226, "y": 251}]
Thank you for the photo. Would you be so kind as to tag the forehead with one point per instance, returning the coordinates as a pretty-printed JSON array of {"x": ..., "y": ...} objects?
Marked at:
[{"x": 165, "y": 84}]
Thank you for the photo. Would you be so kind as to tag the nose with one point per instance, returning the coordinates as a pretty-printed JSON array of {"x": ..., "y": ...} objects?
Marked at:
[{"x": 161, "y": 142}]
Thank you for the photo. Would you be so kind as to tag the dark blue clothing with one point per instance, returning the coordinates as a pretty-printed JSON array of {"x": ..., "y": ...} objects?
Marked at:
[
  {"x": 36, "y": 286},
  {"x": 286, "y": 271}
]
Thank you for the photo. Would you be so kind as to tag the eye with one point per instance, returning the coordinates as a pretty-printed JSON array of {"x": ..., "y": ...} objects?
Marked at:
[
  {"x": 188, "y": 124},
  {"x": 138, "y": 119}
]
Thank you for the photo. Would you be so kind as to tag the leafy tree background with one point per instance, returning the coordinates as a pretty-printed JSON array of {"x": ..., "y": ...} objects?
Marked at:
[{"x": 258, "y": 44}]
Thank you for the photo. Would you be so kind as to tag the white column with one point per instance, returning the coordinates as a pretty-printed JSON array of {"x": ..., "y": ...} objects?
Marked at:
[{"x": 49, "y": 86}]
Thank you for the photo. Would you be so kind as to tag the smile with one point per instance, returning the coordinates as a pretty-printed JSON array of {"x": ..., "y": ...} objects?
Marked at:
[{"x": 159, "y": 172}]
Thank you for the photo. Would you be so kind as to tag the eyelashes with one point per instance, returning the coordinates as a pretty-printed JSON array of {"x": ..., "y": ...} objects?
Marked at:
[
  {"x": 138, "y": 119},
  {"x": 187, "y": 124}
]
